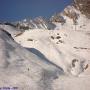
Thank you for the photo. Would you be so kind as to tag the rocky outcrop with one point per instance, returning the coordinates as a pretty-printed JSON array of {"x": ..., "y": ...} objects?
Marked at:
[
  {"x": 83, "y": 6},
  {"x": 37, "y": 23},
  {"x": 57, "y": 18},
  {"x": 69, "y": 12}
]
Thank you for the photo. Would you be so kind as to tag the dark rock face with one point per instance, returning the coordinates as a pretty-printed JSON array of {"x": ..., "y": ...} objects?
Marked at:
[{"x": 83, "y": 6}]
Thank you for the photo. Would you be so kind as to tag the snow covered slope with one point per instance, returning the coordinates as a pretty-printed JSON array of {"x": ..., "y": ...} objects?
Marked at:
[
  {"x": 60, "y": 47},
  {"x": 68, "y": 49},
  {"x": 48, "y": 60},
  {"x": 22, "y": 68}
]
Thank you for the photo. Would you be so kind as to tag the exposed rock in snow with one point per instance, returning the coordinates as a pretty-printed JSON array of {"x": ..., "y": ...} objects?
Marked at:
[
  {"x": 67, "y": 49},
  {"x": 38, "y": 22},
  {"x": 83, "y": 6},
  {"x": 74, "y": 17}
]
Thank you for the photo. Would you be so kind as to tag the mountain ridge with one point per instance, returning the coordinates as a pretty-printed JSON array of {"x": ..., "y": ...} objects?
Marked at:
[{"x": 73, "y": 16}]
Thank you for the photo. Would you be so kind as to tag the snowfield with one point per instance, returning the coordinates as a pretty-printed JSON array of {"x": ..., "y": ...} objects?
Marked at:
[
  {"x": 59, "y": 46},
  {"x": 44, "y": 59},
  {"x": 62, "y": 48}
]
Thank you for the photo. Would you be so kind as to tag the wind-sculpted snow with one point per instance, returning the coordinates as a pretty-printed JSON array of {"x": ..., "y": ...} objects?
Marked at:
[
  {"x": 22, "y": 68},
  {"x": 48, "y": 60},
  {"x": 66, "y": 49}
]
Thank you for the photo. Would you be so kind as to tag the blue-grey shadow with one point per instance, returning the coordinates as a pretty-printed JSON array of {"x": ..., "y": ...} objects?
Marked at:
[{"x": 40, "y": 55}]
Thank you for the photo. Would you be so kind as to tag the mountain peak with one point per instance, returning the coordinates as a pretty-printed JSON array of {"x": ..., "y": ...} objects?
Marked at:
[{"x": 83, "y": 6}]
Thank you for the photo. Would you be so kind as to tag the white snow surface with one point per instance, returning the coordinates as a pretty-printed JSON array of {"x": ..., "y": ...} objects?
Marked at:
[
  {"x": 65, "y": 45},
  {"x": 45, "y": 59}
]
